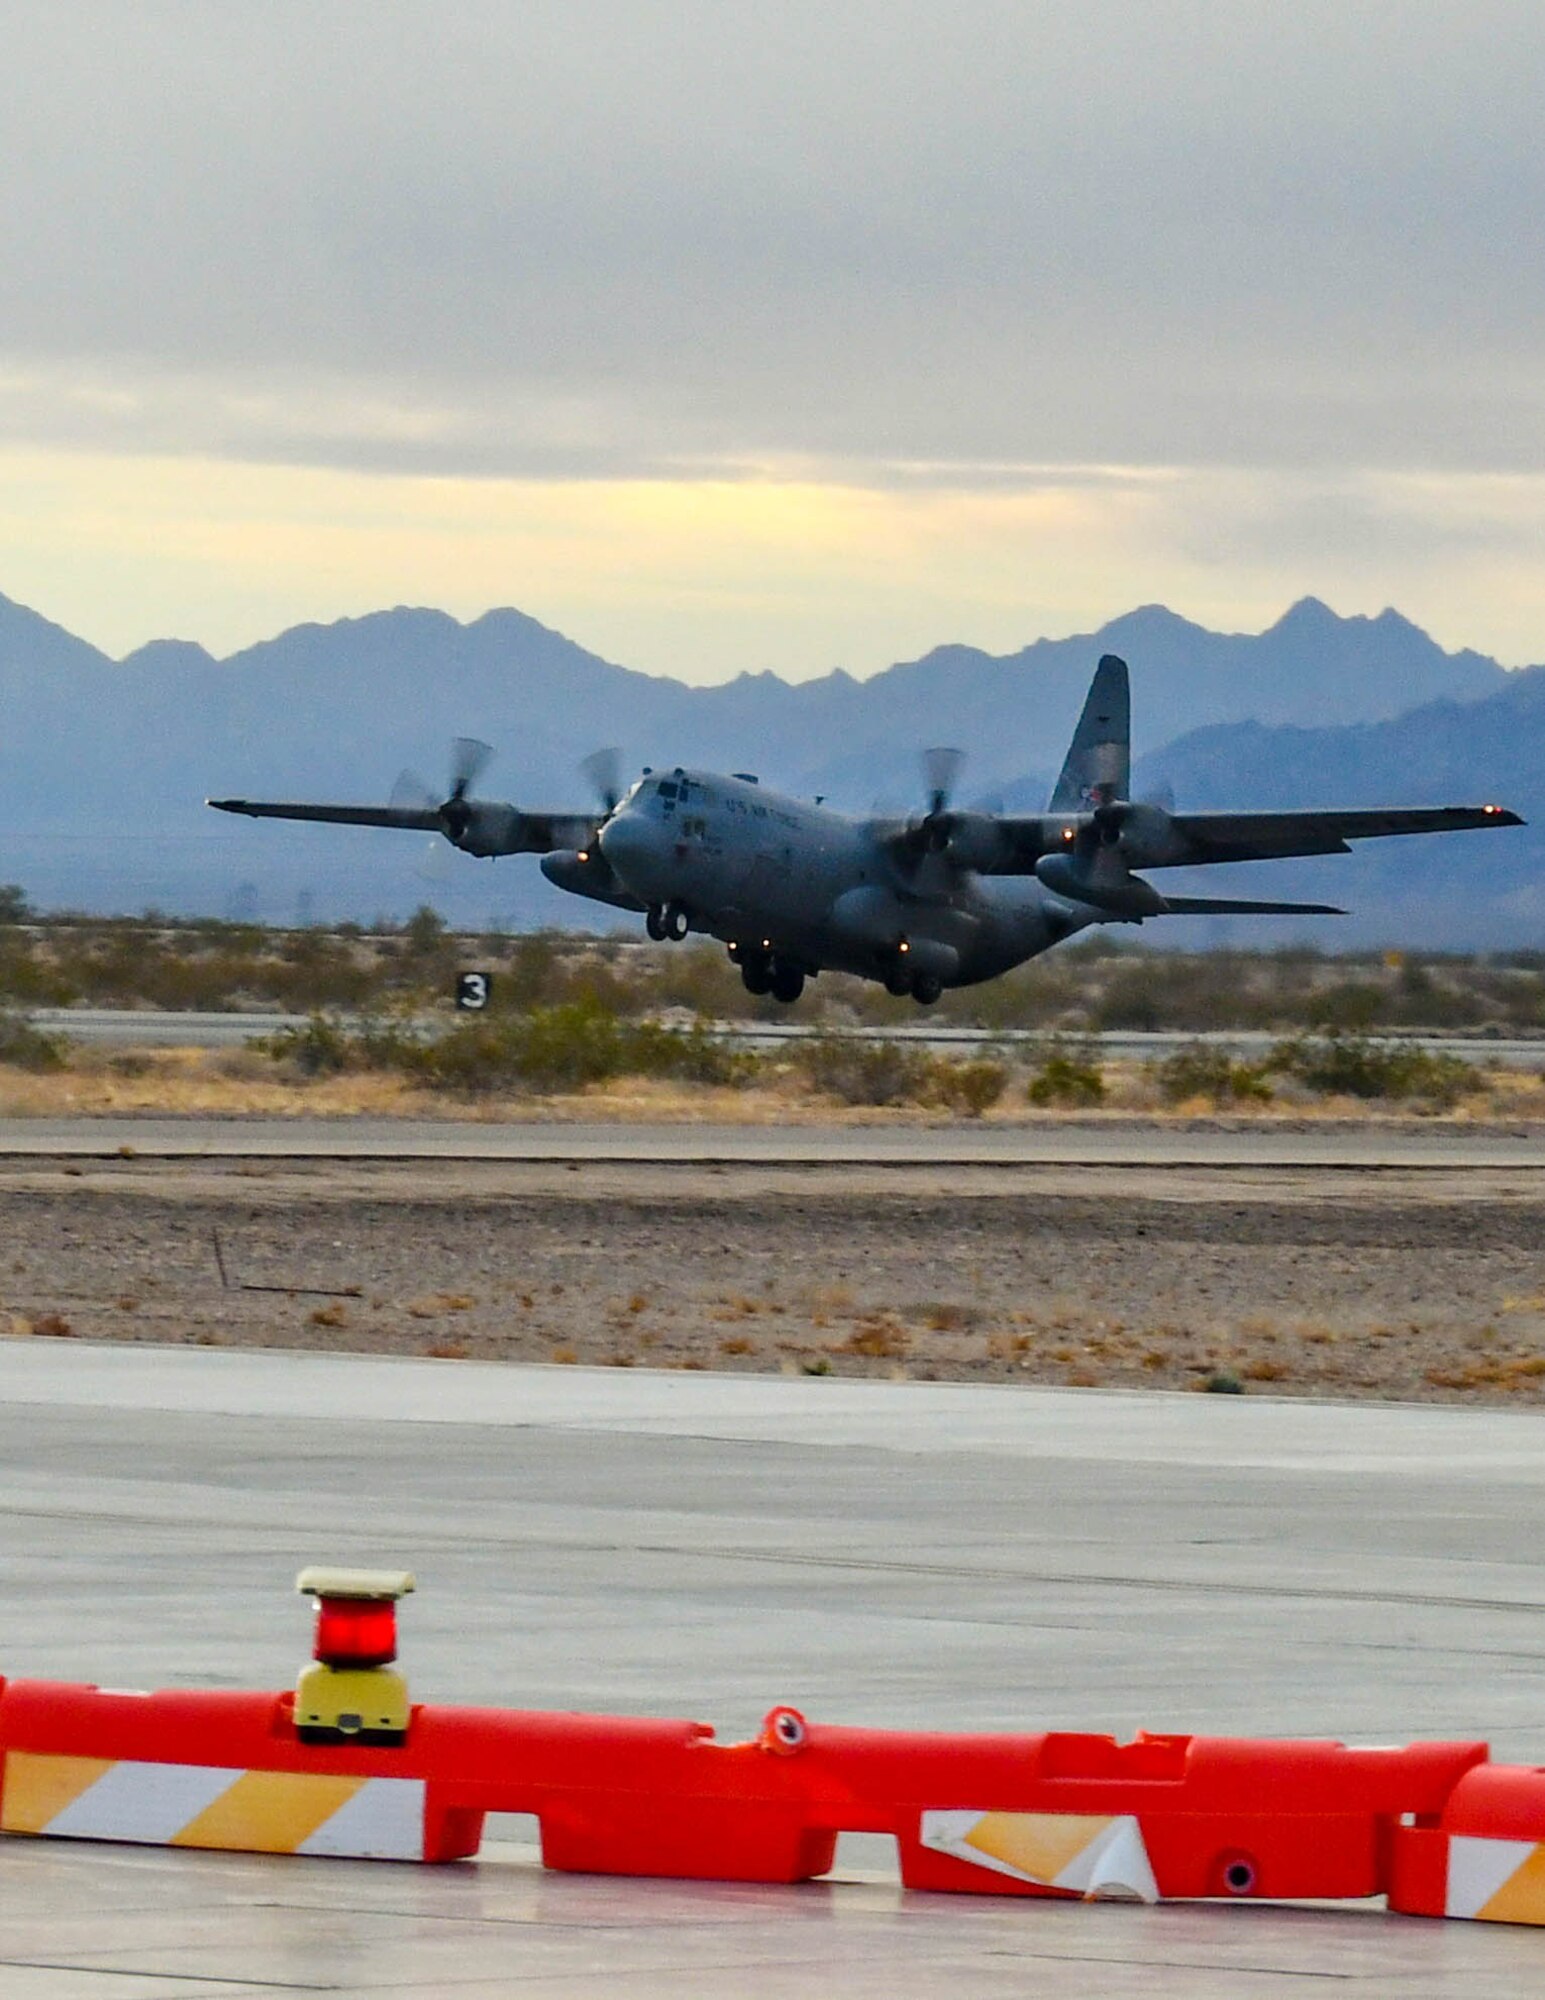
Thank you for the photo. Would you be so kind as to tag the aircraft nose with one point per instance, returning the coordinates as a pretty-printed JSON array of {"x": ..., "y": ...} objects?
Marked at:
[{"x": 624, "y": 840}]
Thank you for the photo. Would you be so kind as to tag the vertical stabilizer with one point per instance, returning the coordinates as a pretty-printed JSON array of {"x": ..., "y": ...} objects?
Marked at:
[{"x": 1099, "y": 765}]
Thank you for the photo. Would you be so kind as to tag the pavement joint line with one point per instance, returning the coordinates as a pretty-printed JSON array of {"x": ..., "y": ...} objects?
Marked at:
[
  {"x": 1042, "y": 1579},
  {"x": 243, "y": 1983},
  {"x": 1150, "y": 1963}
]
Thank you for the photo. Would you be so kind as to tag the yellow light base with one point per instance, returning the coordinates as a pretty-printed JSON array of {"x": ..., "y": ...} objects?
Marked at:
[{"x": 352, "y": 1701}]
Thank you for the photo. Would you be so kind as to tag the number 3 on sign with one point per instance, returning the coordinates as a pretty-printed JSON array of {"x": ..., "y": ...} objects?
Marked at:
[{"x": 472, "y": 991}]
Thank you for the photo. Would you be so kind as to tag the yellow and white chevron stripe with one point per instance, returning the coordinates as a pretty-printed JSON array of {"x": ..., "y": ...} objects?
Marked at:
[
  {"x": 1091, "y": 1854},
  {"x": 194, "y": 1805},
  {"x": 1497, "y": 1881}
]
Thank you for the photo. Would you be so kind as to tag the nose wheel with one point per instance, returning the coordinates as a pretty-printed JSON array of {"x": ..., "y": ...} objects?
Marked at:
[{"x": 672, "y": 921}]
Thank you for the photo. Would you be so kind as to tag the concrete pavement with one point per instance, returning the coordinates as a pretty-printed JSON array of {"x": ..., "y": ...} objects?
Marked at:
[{"x": 902, "y": 1554}]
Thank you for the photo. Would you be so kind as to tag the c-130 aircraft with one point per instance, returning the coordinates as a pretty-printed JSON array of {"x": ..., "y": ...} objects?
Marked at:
[{"x": 946, "y": 898}]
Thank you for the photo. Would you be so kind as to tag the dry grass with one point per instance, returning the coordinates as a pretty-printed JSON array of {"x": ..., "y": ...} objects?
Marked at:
[
  {"x": 242, "y": 1083},
  {"x": 879, "y": 1339},
  {"x": 433, "y": 1305}
]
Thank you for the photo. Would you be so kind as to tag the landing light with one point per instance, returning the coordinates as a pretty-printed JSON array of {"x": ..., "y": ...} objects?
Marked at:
[
  {"x": 903, "y": 946},
  {"x": 584, "y": 854},
  {"x": 1067, "y": 836},
  {"x": 1491, "y": 810}
]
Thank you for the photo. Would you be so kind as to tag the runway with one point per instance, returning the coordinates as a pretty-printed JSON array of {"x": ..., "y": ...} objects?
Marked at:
[
  {"x": 128, "y": 1027},
  {"x": 1117, "y": 1143},
  {"x": 908, "y": 1554}
]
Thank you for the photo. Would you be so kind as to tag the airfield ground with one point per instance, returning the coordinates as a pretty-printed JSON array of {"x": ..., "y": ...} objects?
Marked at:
[{"x": 1327, "y": 1281}]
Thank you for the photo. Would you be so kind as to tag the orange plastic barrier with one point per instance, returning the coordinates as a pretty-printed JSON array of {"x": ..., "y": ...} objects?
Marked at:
[
  {"x": 1051, "y": 1814},
  {"x": 346, "y": 1765},
  {"x": 1482, "y": 1856}
]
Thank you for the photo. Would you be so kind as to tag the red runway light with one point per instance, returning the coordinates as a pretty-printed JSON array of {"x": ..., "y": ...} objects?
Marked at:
[{"x": 355, "y": 1632}]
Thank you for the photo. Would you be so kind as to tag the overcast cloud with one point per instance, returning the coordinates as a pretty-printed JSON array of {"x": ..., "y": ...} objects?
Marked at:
[{"x": 890, "y": 247}]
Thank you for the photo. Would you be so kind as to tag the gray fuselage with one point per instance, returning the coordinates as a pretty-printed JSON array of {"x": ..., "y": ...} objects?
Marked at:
[{"x": 765, "y": 872}]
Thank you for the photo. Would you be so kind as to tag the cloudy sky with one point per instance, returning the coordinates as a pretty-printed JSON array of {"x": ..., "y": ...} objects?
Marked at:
[{"x": 788, "y": 335}]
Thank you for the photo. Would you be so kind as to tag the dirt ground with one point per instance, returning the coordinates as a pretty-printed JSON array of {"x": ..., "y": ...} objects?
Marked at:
[{"x": 1393, "y": 1284}]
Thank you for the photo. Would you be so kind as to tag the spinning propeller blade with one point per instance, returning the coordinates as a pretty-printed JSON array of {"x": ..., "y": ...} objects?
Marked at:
[
  {"x": 602, "y": 771},
  {"x": 941, "y": 768}
]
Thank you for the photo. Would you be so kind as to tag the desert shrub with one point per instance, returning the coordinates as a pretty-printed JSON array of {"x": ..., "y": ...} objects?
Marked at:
[
  {"x": 319, "y": 1047},
  {"x": 969, "y": 1088},
  {"x": 864, "y": 1070},
  {"x": 1203, "y": 1069},
  {"x": 563, "y": 1047},
  {"x": 1068, "y": 1072},
  {"x": 1351, "y": 1065},
  {"x": 23, "y": 1046},
  {"x": 1350, "y": 1006}
]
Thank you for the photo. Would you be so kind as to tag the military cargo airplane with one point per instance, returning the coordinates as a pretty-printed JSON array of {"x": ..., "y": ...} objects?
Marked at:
[{"x": 947, "y": 897}]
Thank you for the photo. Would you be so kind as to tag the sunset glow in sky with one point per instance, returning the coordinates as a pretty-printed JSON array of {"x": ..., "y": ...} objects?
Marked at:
[{"x": 723, "y": 337}]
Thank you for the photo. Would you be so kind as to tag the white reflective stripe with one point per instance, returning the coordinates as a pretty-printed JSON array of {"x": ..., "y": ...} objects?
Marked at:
[
  {"x": 151, "y": 1802},
  {"x": 384, "y": 1821},
  {"x": 1116, "y": 1864},
  {"x": 946, "y": 1831},
  {"x": 1478, "y": 1868}
]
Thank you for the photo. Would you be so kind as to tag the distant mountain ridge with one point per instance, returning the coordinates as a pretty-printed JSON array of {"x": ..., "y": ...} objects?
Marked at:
[{"x": 104, "y": 764}]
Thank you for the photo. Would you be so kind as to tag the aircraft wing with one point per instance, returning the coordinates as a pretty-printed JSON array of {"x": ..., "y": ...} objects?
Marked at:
[
  {"x": 412, "y": 817},
  {"x": 1268, "y": 836},
  {"x": 477, "y": 826}
]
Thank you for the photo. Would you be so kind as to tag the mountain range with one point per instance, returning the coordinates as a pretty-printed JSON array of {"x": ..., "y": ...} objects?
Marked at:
[{"x": 104, "y": 764}]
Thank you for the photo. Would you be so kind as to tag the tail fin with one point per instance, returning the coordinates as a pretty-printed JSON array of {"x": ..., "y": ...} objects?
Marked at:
[{"x": 1099, "y": 765}]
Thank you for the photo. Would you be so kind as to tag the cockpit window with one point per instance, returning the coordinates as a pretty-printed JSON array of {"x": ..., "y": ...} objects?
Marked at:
[{"x": 667, "y": 789}]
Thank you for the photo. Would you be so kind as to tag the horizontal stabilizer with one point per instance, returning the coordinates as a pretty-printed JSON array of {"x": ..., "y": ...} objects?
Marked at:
[{"x": 1234, "y": 906}]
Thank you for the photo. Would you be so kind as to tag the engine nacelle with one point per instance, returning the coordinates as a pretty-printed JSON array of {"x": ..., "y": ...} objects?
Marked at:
[
  {"x": 974, "y": 840},
  {"x": 1111, "y": 889},
  {"x": 483, "y": 829},
  {"x": 586, "y": 872}
]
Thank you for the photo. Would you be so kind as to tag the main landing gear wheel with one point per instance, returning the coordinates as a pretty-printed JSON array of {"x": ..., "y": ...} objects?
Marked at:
[
  {"x": 926, "y": 988},
  {"x": 675, "y": 921},
  {"x": 654, "y": 922},
  {"x": 788, "y": 982},
  {"x": 898, "y": 981},
  {"x": 756, "y": 976}
]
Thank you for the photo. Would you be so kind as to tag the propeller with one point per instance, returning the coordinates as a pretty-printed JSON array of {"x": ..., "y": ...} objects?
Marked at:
[
  {"x": 941, "y": 773},
  {"x": 602, "y": 771},
  {"x": 941, "y": 768},
  {"x": 469, "y": 758}
]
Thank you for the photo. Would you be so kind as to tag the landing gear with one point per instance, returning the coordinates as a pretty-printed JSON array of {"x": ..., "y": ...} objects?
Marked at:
[
  {"x": 926, "y": 988},
  {"x": 756, "y": 975},
  {"x": 788, "y": 981},
  {"x": 671, "y": 921},
  {"x": 898, "y": 981}
]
